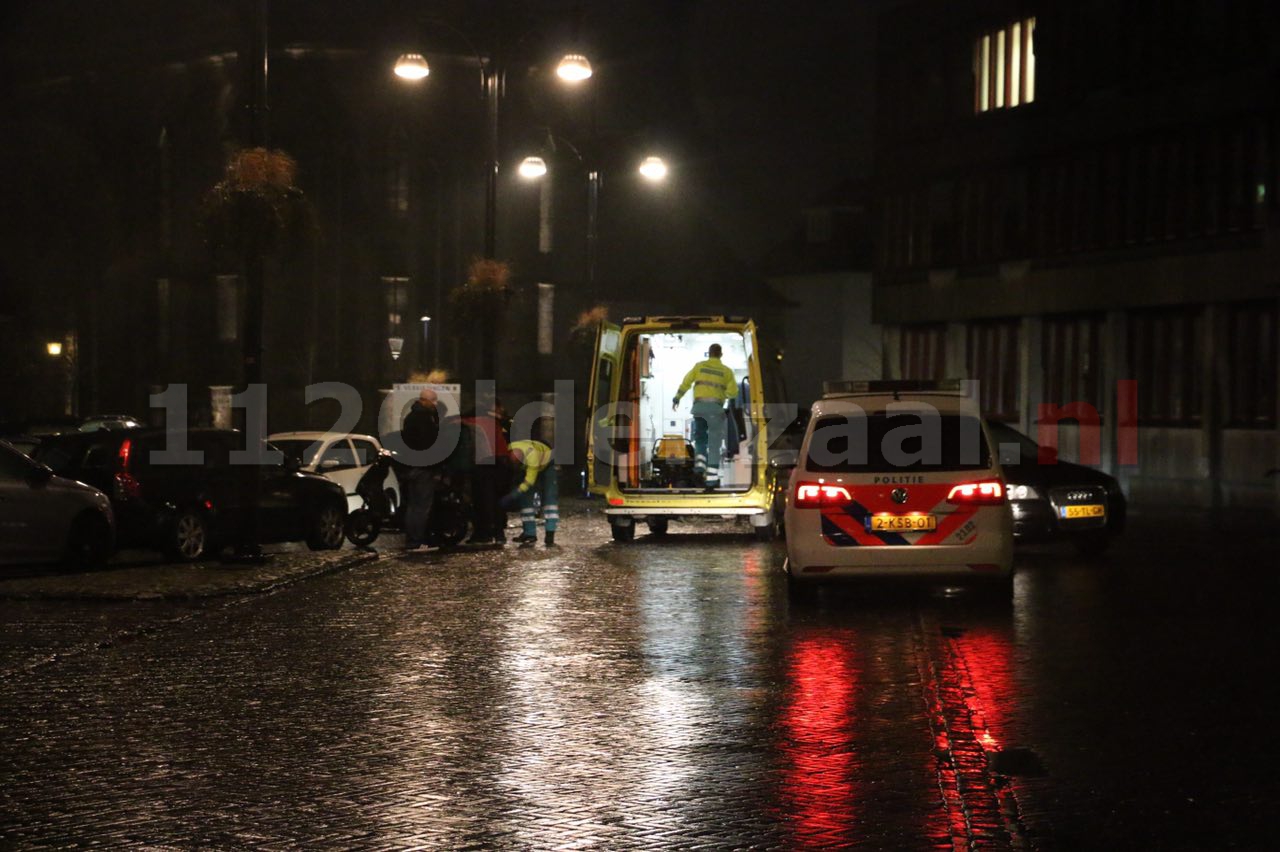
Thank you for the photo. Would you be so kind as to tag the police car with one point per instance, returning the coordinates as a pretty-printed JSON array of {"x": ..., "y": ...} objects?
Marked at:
[{"x": 898, "y": 479}]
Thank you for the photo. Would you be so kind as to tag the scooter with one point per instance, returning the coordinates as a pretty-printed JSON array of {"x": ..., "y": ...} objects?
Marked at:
[
  {"x": 363, "y": 525},
  {"x": 450, "y": 510}
]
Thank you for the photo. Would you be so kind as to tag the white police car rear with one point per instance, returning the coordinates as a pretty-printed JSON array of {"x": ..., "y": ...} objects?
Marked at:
[{"x": 898, "y": 479}]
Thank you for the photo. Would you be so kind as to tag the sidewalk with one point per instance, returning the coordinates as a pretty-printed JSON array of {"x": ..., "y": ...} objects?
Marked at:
[{"x": 142, "y": 576}]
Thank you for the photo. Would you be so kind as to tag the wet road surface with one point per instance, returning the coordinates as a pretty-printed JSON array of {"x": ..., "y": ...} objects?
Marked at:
[{"x": 668, "y": 695}]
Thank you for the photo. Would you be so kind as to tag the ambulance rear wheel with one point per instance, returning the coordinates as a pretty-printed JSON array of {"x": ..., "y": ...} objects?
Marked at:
[
  {"x": 658, "y": 526},
  {"x": 624, "y": 532}
]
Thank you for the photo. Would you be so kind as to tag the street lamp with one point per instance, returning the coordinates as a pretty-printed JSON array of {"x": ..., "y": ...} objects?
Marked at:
[
  {"x": 573, "y": 68},
  {"x": 64, "y": 351},
  {"x": 415, "y": 68},
  {"x": 653, "y": 169}
]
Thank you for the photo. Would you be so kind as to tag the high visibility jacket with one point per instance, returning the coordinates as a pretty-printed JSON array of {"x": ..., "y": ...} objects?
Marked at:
[
  {"x": 537, "y": 458},
  {"x": 711, "y": 380}
]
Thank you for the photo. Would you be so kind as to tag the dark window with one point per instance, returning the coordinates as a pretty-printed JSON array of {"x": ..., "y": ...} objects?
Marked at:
[
  {"x": 339, "y": 452},
  {"x": 14, "y": 466},
  {"x": 1164, "y": 347},
  {"x": 923, "y": 352},
  {"x": 1072, "y": 358},
  {"x": 883, "y": 442},
  {"x": 366, "y": 451},
  {"x": 993, "y": 362},
  {"x": 1254, "y": 354}
]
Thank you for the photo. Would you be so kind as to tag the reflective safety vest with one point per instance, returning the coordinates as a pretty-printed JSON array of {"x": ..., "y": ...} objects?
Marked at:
[
  {"x": 711, "y": 380},
  {"x": 537, "y": 458}
]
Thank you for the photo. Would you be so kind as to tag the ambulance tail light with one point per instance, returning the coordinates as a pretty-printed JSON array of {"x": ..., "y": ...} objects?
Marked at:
[
  {"x": 988, "y": 492},
  {"x": 815, "y": 495}
]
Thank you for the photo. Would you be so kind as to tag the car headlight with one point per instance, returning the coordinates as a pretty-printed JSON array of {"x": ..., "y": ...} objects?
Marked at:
[{"x": 1023, "y": 492}]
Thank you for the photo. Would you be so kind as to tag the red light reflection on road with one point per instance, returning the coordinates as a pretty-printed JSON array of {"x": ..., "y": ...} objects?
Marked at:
[
  {"x": 987, "y": 657},
  {"x": 818, "y": 717},
  {"x": 968, "y": 684}
]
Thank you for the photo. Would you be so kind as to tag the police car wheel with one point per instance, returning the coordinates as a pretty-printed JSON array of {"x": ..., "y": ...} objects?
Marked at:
[
  {"x": 624, "y": 532},
  {"x": 658, "y": 526}
]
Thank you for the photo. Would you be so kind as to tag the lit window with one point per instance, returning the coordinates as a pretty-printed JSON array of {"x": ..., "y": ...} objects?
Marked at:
[{"x": 1004, "y": 67}]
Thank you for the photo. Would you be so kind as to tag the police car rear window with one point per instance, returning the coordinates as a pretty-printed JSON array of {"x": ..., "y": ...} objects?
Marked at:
[{"x": 884, "y": 442}]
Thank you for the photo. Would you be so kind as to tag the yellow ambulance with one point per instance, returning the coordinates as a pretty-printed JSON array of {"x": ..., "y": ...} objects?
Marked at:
[{"x": 644, "y": 456}]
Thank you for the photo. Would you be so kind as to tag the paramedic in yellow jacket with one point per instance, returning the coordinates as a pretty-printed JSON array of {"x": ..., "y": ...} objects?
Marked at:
[
  {"x": 712, "y": 384},
  {"x": 533, "y": 460}
]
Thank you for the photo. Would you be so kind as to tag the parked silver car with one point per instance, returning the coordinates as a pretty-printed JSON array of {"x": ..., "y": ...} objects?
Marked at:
[{"x": 46, "y": 518}]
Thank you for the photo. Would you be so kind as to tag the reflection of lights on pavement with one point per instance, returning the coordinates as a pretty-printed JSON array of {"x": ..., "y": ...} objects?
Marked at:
[{"x": 819, "y": 720}]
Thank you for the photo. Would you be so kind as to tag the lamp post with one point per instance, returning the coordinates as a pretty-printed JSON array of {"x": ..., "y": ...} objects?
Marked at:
[
  {"x": 413, "y": 67},
  {"x": 652, "y": 168},
  {"x": 63, "y": 350}
]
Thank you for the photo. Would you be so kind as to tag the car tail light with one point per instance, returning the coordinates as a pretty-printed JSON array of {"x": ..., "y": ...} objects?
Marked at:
[
  {"x": 988, "y": 492},
  {"x": 812, "y": 495},
  {"x": 127, "y": 486}
]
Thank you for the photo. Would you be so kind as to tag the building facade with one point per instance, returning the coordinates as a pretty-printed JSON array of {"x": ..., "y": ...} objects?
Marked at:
[{"x": 1077, "y": 206}]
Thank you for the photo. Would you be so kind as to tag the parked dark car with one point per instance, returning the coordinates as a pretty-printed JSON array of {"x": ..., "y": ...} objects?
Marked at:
[
  {"x": 193, "y": 510},
  {"x": 1057, "y": 500},
  {"x": 44, "y": 517},
  {"x": 25, "y": 444}
]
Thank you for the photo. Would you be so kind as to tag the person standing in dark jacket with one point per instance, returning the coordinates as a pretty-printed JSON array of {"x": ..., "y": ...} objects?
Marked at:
[
  {"x": 420, "y": 433},
  {"x": 488, "y": 475}
]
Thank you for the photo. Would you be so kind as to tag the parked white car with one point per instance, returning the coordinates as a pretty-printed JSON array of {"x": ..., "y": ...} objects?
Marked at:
[
  {"x": 339, "y": 457},
  {"x": 45, "y": 518}
]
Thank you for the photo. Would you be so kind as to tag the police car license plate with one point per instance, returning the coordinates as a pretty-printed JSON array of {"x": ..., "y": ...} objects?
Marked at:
[
  {"x": 902, "y": 523},
  {"x": 1093, "y": 510}
]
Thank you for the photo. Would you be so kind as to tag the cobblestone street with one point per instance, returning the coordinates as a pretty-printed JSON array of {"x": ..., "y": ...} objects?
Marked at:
[{"x": 662, "y": 695}]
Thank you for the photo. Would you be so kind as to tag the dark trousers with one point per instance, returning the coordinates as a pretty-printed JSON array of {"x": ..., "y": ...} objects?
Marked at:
[
  {"x": 421, "y": 484},
  {"x": 486, "y": 489}
]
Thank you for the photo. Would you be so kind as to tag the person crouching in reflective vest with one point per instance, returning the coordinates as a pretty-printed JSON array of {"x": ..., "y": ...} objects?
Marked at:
[{"x": 534, "y": 458}]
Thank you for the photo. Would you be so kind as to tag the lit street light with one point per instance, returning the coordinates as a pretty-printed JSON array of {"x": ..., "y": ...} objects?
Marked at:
[
  {"x": 573, "y": 68},
  {"x": 414, "y": 67},
  {"x": 532, "y": 168},
  {"x": 65, "y": 353},
  {"x": 653, "y": 169}
]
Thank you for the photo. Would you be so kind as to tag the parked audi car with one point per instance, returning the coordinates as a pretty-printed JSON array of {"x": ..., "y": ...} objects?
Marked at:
[
  {"x": 191, "y": 509},
  {"x": 1054, "y": 499},
  {"x": 46, "y": 518}
]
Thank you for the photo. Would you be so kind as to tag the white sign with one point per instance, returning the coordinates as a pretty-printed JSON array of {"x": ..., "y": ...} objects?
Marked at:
[{"x": 402, "y": 397}]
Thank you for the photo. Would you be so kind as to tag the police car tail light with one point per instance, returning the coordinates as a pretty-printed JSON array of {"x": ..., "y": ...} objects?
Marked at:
[
  {"x": 988, "y": 492},
  {"x": 812, "y": 495}
]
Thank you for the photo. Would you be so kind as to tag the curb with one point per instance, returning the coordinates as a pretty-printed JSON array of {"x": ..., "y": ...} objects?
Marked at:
[{"x": 261, "y": 586}]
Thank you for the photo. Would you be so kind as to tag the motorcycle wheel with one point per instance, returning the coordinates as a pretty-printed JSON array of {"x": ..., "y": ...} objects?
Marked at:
[
  {"x": 362, "y": 527},
  {"x": 449, "y": 525}
]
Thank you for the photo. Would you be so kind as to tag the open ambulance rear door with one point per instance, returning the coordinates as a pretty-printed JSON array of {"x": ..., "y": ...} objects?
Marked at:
[{"x": 601, "y": 404}]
